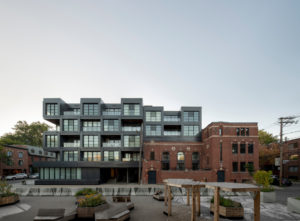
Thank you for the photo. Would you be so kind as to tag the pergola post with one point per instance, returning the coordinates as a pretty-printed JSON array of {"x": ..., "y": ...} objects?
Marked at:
[
  {"x": 257, "y": 206},
  {"x": 188, "y": 196},
  {"x": 169, "y": 201},
  {"x": 216, "y": 203},
  {"x": 198, "y": 202},
  {"x": 193, "y": 217},
  {"x": 166, "y": 194}
]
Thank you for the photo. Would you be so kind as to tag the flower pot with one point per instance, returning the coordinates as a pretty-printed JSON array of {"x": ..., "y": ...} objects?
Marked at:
[
  {"x": 268, "y": 197},
  {"x": 9, "y": 200},
  {"x": 293, "y": 205},
  {"x": 89, "y": 212},
  {"x": 229, "y": 212}
]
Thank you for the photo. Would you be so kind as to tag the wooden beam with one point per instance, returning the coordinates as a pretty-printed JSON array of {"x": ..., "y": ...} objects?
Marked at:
[
  {"x": 216, "y": 203},
  {"x": 257, "y": 206},
  {"x": 166, "y": 194},
  {"x": 169, "y": 201},
  {"x": 193, "y": 216},
  {"x": 188, "y": 196},
  {"x": 198, "y": 202}
]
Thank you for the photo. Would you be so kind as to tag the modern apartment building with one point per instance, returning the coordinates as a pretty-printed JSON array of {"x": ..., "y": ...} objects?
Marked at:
[{"x": 97, "y": 142}]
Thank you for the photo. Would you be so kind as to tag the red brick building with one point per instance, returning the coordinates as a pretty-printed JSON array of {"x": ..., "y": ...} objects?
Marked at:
[
  {"x": 224, "y": 154},
  {"x": 21, "y": 157},
  {"x": 291, "y": 159}
]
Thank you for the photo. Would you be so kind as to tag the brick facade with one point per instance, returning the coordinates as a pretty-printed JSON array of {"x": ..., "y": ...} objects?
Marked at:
[
  {"x": 291, "y": 159},
  {"x": 215, "y": 154}
]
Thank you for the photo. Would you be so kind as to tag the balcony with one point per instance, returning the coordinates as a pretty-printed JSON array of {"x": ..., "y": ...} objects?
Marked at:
[
  {"x": 112, "y": 144},
  {"x": 72, "y": 113},
  {"x": 172, "y": 133},
  {"x": 72, "y": 144},
  {"x": 111, "y": 113},
  {"x": 131, "y": 129},
  {"x": 171, "y": 119},
  {"x": 89, "y": 129}
]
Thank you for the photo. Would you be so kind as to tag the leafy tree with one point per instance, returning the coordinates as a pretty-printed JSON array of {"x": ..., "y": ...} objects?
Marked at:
[
  {"x": 26, "y": 134},
  {"x": 264, "y": 179},
  {"x": 266, "y": 138}
]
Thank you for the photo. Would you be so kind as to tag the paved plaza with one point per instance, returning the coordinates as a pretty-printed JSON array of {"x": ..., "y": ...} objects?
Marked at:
[{"x": 146, "y": 208}]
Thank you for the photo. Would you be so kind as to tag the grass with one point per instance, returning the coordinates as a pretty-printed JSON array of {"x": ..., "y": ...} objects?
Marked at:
[{"x": 227, "y": 202}]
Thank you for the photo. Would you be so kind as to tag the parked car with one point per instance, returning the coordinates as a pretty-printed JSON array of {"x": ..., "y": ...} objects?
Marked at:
[
  {"x": 285, "y": 181},
  {"x": 16, "y": 176},
  {"x": 34, "y": 176},
  {"x": 275, "y": 180}
]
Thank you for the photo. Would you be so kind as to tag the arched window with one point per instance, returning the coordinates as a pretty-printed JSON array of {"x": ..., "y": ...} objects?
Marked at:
[{"x": 180, "y": 161}]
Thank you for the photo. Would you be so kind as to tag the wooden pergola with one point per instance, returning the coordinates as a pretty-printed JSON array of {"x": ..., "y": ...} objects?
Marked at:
[{"x": 195, "y": 186}]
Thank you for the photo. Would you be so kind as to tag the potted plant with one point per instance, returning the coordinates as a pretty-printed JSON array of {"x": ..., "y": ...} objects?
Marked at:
[
  {"x": 89, "y": 204},
  {"x": 6, "y": 195},
  {"x": 84, "y": 192},
  {"x": 293, "y": 204},
  {"x": 264, "y": 179},
  {"x": 228, "y": 208}
]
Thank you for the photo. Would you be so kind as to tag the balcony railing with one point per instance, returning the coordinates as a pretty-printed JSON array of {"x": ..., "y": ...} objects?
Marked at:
[
  {"x": 172, "y": 133},
  {"x": 69, "y": 144},
  {"x": 171, "y": 119},
  {"x": 112, "y": 144},
  {"x": 71, "y": 113},
  {"x": 91, "y": 128},
  {"x": 134, "y": 129},
  {"x": 111, "y": 113}
]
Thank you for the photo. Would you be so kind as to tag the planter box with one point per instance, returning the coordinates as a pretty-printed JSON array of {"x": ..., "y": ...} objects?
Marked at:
[
  {"x": 89, "y": 212},
  {"x": 9, "y": 200},
  {"x": 229, "y": 212},
  {"x": 293, "y": 205},
  {"x": 268, "y": 197}
]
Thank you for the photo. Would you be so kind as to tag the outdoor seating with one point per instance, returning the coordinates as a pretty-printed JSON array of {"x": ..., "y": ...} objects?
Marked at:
[{"x": 117, "y": 212}]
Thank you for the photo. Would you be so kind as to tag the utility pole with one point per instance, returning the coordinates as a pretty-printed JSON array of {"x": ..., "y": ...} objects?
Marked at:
[{"x": 283, "y": 121}]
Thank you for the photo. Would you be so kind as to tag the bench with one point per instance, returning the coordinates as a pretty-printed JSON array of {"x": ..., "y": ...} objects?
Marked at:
[
  {"x": 116, "y": 212},
  {"x": 121, "y": 199},
  {"x": 49, "y": 214}
]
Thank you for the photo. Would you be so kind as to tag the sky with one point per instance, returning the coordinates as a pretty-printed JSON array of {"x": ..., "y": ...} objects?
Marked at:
[{"x": 239, "y": 60}]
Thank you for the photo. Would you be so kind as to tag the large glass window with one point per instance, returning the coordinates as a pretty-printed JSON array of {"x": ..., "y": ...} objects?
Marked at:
[
  {"x": 131, "y": 141},
  {"x": 90, "y": 141},
  {"x": 70, "y": 155},
  {"x": 130, "y": 157},
  {"x": 111, "y": 142},
  {"x": 153, "y": 116},
  {"x": 131, "y": 109},
  {"x": 52, "y": 109},
  {"x": 195, "y": 161},
  {"x": 111, "y": 125},
  {"x": 112, "y": 112},
  {"x": 190, "y": 116},
  {"x": 51, "y": 177},
  {"x": 52, "y": 141},
  {"x": 57, "y": 175},
  {"x": 91, "y": 126},
  {"x": 190, "y": 130},
  {"x": 165, "y": 164},
  {"x": 153, "y": 130},
  {"x": 90, "y": 109},
  {"x": 111, "y": 155},
  {"x": 91, "y": 156},
  {"x": 70, "y": 125}
]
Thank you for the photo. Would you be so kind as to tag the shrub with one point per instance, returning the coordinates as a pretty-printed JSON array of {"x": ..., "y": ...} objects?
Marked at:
[
  {"x": 5, "y": 189},
  {"x": 91, "y": 200},
  {"x": 297, "y": 198},
  {"x": 85, "y": 191},
  {"x": 227, "y": 202},
  {"x": 264, "y": 179}
]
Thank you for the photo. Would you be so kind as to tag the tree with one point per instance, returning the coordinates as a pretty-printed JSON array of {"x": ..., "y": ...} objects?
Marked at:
[
  {"x": 26, "y": 134},
  {"x": 266, "y": 138}
]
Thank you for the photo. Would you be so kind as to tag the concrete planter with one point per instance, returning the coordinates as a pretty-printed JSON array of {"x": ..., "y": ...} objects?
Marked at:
[
  {"x": 229, "y": 212},
  {"x": 293, "y": 205},
  {"x": 9, "y": 200},
  {"x": 89, "y": 212},
  {"x": 268, "y": 197}
]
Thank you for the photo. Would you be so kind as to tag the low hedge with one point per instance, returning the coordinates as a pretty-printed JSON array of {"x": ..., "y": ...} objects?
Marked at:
[{"x": 85, "y": 191}]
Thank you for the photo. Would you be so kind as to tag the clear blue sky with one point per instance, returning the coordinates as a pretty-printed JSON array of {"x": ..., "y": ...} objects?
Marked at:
[{"x": 239, "y": 60}]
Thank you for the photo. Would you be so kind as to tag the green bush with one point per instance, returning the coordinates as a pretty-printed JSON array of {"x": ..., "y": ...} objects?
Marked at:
[
  {"x": 298, "y": 198},
  {"x": 85, "y": 191},
  {"x": 264, "y": 179},
  {"x": 91, "y": 200},
  {"x": 5, "y": 189},
  {"x": 227, "y": 202}
]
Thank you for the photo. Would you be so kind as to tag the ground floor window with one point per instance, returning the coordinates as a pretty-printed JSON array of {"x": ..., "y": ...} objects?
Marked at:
[{"x": 60, "y": 173}]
